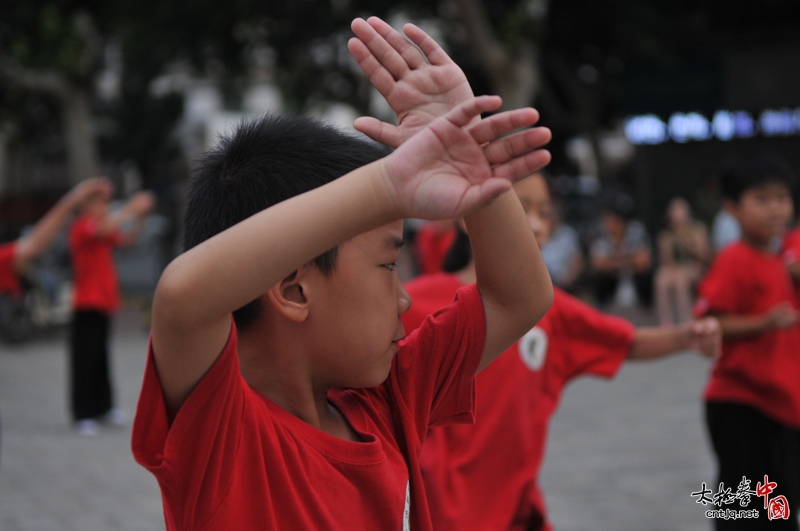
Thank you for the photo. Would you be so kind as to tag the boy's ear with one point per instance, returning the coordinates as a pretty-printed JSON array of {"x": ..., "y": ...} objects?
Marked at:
[{"x": 288, "y": 296}]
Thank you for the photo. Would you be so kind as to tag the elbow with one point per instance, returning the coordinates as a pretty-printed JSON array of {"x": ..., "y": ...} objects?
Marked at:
[
  {"x": 543, "y": 301},
  {"x": 536, "y": 305},
  {"x": 170, "y": 298}
]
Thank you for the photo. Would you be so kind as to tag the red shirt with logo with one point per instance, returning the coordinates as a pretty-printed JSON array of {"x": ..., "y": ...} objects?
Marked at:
[
  {"x": 763, "y": 370},
  {"x": 484, "y": 476},
  {"x": 233, "y": 460},
  {"x": 9, "y": 281},
  {"x": 95, "y": 274}
]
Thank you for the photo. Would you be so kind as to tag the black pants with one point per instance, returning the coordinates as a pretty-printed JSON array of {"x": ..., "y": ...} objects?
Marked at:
[
  {"x": 606, "y": 287},
  {"x": 90, "y": 384},
  {"x": 749, "y": 444}
]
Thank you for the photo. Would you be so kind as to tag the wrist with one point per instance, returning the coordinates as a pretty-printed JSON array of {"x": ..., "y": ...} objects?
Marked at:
[
  {"x": 685, "y": 336},
  {"x": 384, "y": 192}
]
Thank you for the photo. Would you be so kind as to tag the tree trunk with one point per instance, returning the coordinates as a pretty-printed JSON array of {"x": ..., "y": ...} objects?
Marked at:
[
  {"x": 513, "y": 74},
  {"x": 78, "y": 129}
]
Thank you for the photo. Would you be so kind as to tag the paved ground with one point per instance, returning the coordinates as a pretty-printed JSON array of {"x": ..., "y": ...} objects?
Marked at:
[{"x": 622, "y": 455}]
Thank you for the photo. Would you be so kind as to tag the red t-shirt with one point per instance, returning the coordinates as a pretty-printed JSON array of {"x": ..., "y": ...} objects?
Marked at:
[
  {"x": 93, "y": 267},
  {"x": 791, "y": 254},
  {"x": 9, "y": 281},
  {"x": 233, "y": 460},
  {"x": 484, "y": 476},
  {"x": 431, "y": 245},
  {"x": 761, "y": 371}
]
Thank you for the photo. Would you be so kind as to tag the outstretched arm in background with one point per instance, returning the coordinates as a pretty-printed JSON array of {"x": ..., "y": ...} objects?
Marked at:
[
  {"x": 419, "y": 88},
  {"x": 46, "y": 229},
  {"x": 703, "y": 335},
  {"x": 136, "y": 209}
]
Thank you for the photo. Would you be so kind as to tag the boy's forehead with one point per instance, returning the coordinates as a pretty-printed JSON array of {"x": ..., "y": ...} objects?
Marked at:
[{"x": 389, "y": 236}]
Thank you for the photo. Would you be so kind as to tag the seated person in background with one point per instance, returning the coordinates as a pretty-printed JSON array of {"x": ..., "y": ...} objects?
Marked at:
[
  {"x": 622, "y": 251},
  {"x": 683, "y": 252},
  {"x": 431, "y": 244},
  {"x": 562, "y": 253}
]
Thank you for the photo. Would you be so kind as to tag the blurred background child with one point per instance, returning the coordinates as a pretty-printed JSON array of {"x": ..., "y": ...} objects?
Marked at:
[
  {"x": 753, "y": 395},
  {"x": 92, "y": 238},
  {"x": 484, "y": 476}
]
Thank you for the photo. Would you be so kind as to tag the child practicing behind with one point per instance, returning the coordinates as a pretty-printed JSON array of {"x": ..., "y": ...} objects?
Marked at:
[
  {"x": 753, "y": 395},
  {"x": 484, "y": 476},
  {"x": 16, "y": 256},
  {"x": 92, "y": 238},
  {"x": 281, "y": 391}
]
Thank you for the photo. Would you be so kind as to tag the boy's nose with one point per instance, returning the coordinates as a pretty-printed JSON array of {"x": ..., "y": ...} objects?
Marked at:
[{"x": 403, "y": 300}]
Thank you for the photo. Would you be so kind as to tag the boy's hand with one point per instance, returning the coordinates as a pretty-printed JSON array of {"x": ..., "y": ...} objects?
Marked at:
[
  {"x": 419, "y": 88},
  {"x": 141, "y": 203},
  {"x": 90, "y": 187},
  {"x": 781, "y": 316},
  {"x": 706, "y": 336},
  {"x": 450, "y": 168}
]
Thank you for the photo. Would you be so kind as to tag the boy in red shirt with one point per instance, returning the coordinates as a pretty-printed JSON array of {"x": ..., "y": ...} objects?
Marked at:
[
  {"x": 17, "y": 255},
  {"x": 484, "y": 476},
  {"x": 92, "y": 238},
  {"x": 753, "y": 395},
  {"x": 307, "y": 409}
]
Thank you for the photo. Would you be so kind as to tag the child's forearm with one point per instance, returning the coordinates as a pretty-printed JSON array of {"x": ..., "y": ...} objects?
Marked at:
[
  {"x": 238, "y": 265},
  {"x": 742, "y": 326},
  {"x": 653, "y": 342},
  {"x": 44, "y": 232},
  {"x": 511, "y": 275}
]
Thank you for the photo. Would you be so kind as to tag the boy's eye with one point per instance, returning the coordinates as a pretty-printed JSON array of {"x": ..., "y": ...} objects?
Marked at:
[{"x": 391, "y": 266}]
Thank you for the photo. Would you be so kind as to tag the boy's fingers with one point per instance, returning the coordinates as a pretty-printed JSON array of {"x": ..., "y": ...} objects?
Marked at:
[
  {"x": 505, "y": 149},
  {"x": 480, "y": 196},
  {"x": 382, "y": 50},
  {"x": 380, "y": 78},
  {"x": 520, "y": 167},
  {"x": 435, "y": 54},
  {"x": 407, "y": 51},
  {"x": 378, "y": 131},
  {"x": 494, "y": 126},
  {"x": 463, "y": 114}
]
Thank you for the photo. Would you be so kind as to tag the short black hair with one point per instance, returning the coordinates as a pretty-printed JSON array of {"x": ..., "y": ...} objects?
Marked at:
[
  {"x": 738, "y": 175},
  {"x": 263, "y": 162},
  {"x": 619, "y": 204}
]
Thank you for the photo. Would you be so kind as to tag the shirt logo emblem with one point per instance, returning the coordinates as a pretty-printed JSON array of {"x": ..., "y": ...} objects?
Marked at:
[{"x": 533, "y": 348}]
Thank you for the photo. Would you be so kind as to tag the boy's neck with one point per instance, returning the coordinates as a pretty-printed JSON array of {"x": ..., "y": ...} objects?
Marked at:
[
  {"x": 758, "y": 244},
  {"x": 274, "y": 367}
]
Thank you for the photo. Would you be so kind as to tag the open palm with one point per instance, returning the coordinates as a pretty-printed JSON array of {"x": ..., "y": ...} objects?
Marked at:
[
  {"x": 451, "y": 168},
  {"x": 419, "y": 88}
]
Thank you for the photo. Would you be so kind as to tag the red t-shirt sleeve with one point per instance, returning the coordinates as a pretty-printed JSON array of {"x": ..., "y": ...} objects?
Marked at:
[
  {"x": 596, "y": 343},
  {"x": 434, "y": 372},
  {"x": 190, "y": 457},
  {"x": 9, "y": 282},
  {"x": 715, "y": 294}
]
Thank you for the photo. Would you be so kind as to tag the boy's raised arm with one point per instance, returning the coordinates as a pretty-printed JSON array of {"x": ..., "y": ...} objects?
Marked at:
[
  {"x": 444, "y": 171},
  {"x": 513, "y": 280},
  {"x": 47, "y": 228}
]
